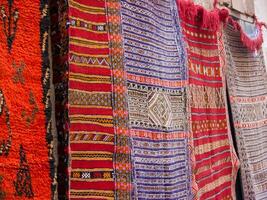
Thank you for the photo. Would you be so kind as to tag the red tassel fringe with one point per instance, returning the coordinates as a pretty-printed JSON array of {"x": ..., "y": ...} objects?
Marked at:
[{"x": 213, "y": 20}]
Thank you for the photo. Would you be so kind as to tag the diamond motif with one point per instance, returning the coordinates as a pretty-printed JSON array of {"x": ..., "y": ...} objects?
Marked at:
[{"x": 160, "y": 109}]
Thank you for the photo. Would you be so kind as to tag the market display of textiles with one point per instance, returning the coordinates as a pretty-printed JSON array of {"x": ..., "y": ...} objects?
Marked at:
[{"x": 131, "y": 100}]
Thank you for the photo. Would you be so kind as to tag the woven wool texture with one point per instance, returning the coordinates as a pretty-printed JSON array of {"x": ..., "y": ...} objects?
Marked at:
[
  {"x": 90, "y": 102},
  {"x": 26, "y": 142},
  {"x": 246, "y": 79},
  {"x": 214, "y": 162},
  {"x": 156, "y": 78}
]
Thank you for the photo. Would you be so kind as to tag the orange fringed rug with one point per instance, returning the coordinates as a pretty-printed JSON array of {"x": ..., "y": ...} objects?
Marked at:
[{"x": 26, "y": 149}]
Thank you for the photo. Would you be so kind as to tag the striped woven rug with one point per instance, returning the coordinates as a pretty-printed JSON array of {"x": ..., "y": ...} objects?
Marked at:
[
  {"x": 214, "y": 163},
  {"x": 90, "y": 106},
  {"x": 99, "y": 137},
  {"x": 27, "y": 164},
  {"x": 246, "y": 79},
  {"x": 156, "y": 79}
]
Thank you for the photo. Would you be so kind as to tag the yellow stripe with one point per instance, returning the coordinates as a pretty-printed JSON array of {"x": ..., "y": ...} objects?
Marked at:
[
  {"x": 88, "y": 45},
  {"x": 94, "y": 116},
  {"x": 88, "y": 81},
  {"x": 90, "y": 30},
  {"x": 90, "y": 65},
  {"x": 89, "y": 22},
  {"x": 83, "y": 91},
  {"x": 88, "y": 76},
  {"x": 210, "y": 146},
  {"x": 89, "y": 41},
  {"x": 84, "y": 106},
  {"x": 93, "y": 197},
  {"x": 89, "y": 55},
  {"x": 92, "y": 170},
  {"x": 92, "y": 152},
  {"x": 91, "y": 180},
  {"x": 90, "y": 142},
  {"x": 87, "y": 9},
  {"x": 89, "y": 133},
  {"x": 94, "y": 191},
  {"x": 81, "y": 158},
  {"x": 90, "y": 122}
]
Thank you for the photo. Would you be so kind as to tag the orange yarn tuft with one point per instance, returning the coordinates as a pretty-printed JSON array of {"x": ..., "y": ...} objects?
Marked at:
[{"x": 21, "y": 83}]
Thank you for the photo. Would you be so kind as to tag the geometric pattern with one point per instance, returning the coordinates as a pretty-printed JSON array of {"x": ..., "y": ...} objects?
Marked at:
[
  {"x": 155, "y": 66},
  {"x": 213, "y": 157},
  {"x": 90, "y": 103},
  {"x": 246, "y": 80}
]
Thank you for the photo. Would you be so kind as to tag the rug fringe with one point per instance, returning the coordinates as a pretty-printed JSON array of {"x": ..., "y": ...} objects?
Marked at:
[{"x": 214, "y": 19}]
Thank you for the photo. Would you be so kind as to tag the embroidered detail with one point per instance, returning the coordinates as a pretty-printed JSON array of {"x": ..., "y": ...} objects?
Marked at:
[
  {"x": 92, "y": 175},
  {"x": 2, "y": 192},
  {"x": 18, "y": 77},
  {"x": 23, "y": 185},
  {"x": 10, "y": 19},
  {"x": 5, "y": 145},
  {"x": 29, "y": 117}
]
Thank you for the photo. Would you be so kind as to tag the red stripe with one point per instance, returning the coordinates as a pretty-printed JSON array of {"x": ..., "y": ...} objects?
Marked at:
[
  {"x": 90, "y": 127},
  {"x": 213, "y": 159},
  {"x": 74, "y": 198},
  {"x": 90, "y": 87},
  {"x": 195, "y": 28},
  {"x": 202, "y": 62},
  {"x": 208, "y": 110},
  {"x": 100, "y": 185},
  {"x": 208, "y": 117},
  {"x": 99, "y": 4},
  {"x": 213, "y": 170},
  {"x": 103, "y": 37},
  {"x": 86, "y": 50},
  {"x": 198, "y": 142},
  {"x": 212, "y": 153},
  {"x": 91, "y": 164},
  {"x": 214, "y": 176},
  {"x": 99, "y": 18},
  {"x": 92, "y": 147},
  {"x": 205, "y": 83},
  {"x": 90, "y": 70},
  {"x": 90, "y": 111},
  {"x": 211, "y": 132},
  {"x": 205, "y": 77},
  {"x": 217, "y": 190}
]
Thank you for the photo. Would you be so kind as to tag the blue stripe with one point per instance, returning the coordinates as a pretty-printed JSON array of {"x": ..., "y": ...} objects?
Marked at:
[
  {"x": 134, "y": 52},
  {"x": 160, "y": 164},
  {"x": 154, "y": 192},
  {"x": 159, "y": 149},
  {"x": 146, "y": 23},
  {"x": 165, "y": 198},
  {"x": 150, "y": 11},
  {"x": 159, "y": 77},
  {"x": 149, "y": 45},
  {"x": 154, "y": 39},
  {"x": 160, "y": 184},
  {"x": 160, "y": 87},
  {"x": 160, "y": 156},
  {"x": 148, "y": 30},
  {"x": 149, "y": 50},
  {"x": 151, "y": 70},
  {"x": 157, "y": 141},
  {"x": 161, "y": 171},
  {"x": 159, "y": 178}
]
